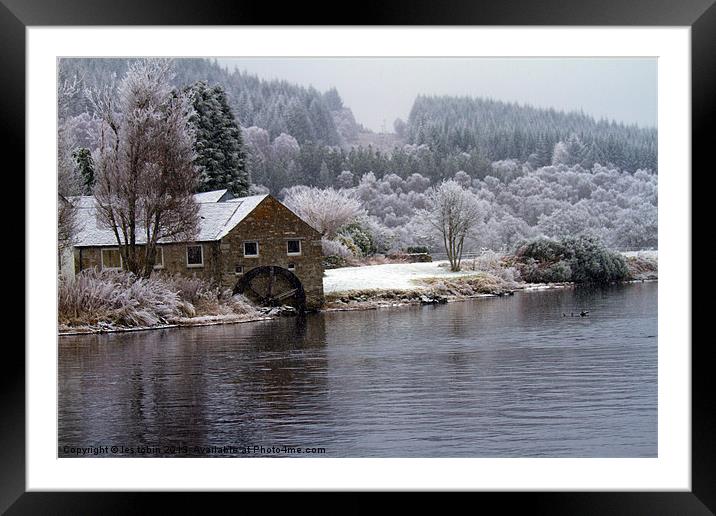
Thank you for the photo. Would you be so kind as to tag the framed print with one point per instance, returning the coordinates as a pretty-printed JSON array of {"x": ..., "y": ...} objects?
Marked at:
[{"x": 424, "y": 256}]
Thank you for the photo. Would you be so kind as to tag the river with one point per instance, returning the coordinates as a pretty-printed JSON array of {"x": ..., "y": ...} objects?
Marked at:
[{"x": 490, "y": 377}]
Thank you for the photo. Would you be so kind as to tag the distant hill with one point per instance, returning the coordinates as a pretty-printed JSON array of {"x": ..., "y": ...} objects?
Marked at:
[
  {"x": 446, "y": 133},
  {"x": 499, "y": 130},
  {"x": 277, "y": 106}
]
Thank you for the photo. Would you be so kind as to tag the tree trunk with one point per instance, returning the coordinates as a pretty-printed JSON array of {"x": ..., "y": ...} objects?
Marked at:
[{"x": 459, "y": 253}]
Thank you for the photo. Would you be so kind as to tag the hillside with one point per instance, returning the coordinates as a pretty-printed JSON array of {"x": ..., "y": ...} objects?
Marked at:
[
  {"x": 499, "y": 130},
  {"x": 277, "y": 106}
]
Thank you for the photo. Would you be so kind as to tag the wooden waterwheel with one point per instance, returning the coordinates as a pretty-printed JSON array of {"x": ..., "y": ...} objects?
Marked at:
[{"x": 272, "y": 286}]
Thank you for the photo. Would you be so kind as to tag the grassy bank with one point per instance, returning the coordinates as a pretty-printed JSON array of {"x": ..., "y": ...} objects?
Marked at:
[
  {"x": 491, "y": 274},
  {"x": 103, "y": 301},
  {"x": 642, "y": 267},
  {"x": 98, "y": 301}
]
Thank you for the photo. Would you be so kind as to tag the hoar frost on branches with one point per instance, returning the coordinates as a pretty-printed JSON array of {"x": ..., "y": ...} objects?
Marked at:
[
  {"x": 325, "y": 210},
  {"x": 454, "y": 213},
  {"x": 145, "y": 164}
]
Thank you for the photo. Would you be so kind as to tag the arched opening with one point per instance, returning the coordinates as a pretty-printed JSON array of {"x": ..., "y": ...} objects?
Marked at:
[{"x": 272, "y": 286}]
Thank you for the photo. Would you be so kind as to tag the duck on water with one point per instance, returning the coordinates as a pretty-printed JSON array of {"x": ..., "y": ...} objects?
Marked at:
[{"x": 583, "y": 313}]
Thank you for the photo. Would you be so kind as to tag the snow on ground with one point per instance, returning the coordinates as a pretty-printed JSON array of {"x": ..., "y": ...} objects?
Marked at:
[
  {"x": 650, "y": 254},
  {"x": 386, "y": 276}
]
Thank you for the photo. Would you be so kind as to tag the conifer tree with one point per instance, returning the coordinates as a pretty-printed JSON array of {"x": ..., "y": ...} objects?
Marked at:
[
  {"x": 220, "y": 155},
  {"x": 85, "y": 165}
]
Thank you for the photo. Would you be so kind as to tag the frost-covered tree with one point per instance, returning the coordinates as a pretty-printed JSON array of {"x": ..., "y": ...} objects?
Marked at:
[
  {"x": 346, "y": 125},
  {"x": 68, "y": 178},
  {"x": 69, "y": 181},
  {"x": 282, "y": 168},
  {"x": 507, "y": 170},
  {"x": 325, "y": 210},
  {"x": 637, "y": 228},
  {"x": 299, "y": 123},
  {"x": 463, "y": 179},
  {"x": 145, "y": 168},
  {"x": 254, "y": 101},
  {"x": 66, "y": 224},
  {"x": 560, "y": 155},
  {"x": 400, "y": 127},
  {"x": 333, "y": 99},
  {"x": 499, "y": 130},
  {"x": 324, "y": 175},
  {"x": 255, "y": 189},
  {"x": 454, "y": 212},
  {"x": 417, "y": 183},
  {"x": 345, "y": 179},
  {"x": 571, "y": 220},
  {"x": 258, "y": 153},
  {"x": 220, "y": 155}
]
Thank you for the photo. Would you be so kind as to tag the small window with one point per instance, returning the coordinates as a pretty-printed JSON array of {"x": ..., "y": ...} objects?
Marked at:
[
  {"x": 194, "y": 256},
  {"x": 159, "y": 258},
  {"x": 239, "y": 269},
  {"x": 251, "y": 248},
  {"x": 292, "y": 266},
  {"x": 293, "y": 247},
  {"x": 111, "y": 259}
]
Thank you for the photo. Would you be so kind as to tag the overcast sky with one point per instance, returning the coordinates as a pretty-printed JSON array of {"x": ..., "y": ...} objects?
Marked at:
[{"x": 379, "y": 90}]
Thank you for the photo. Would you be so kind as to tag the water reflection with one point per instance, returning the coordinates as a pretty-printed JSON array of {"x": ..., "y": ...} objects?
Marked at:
[{"x": 499, "y": 377}]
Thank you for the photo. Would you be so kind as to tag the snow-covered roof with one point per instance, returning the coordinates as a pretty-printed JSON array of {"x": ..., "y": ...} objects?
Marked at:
[
  {"x": 213, "y": 196},
  {"x": 216, "y": 218}
]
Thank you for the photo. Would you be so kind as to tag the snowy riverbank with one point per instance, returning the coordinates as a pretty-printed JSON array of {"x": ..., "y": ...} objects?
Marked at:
[
  {"x": 398, "y": 284},
  {"x": 409, "y": 276},
  {"x": 205, "y": 320},
  {"x": 352, "y": 288},
  {"x": 389, "y": 276}
]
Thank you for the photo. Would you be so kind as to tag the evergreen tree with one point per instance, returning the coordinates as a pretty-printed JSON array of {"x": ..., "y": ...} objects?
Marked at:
[
  {"x": 542, "y": 155},
  {"x": 220, "y": 154},
  {"x": 324, "y": 175},
  {"x": 500, "y": 130},
  {"x": 299, "y": 123},
  {"x": 333, "y": 100},
  {"x": 85, "y": 166}
]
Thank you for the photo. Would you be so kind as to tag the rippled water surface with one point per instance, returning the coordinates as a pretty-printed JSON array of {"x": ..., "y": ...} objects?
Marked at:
[{"x": 494, "y": 377}]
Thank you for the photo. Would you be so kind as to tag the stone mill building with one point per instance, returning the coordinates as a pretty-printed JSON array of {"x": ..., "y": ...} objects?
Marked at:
[{"x": 253, "y": 245}]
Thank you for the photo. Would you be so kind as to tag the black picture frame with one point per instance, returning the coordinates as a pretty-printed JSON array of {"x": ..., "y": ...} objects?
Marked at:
[{"x": 700, "y": 15}]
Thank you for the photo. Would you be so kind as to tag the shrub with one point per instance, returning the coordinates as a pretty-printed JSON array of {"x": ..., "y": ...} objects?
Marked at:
[
  {"x": 240, "y": 305},
  {"x": 333, "y": 248},
  {"x": 348, "y": 243},
  {"x": 483, "y": 283},
  {"x": 190, "y": 289},
  {"x": 417, "y": 249},
  {"x": 592, "y": 262},
  {"x": 642, "y": 267},
  {"x": 360, "y": 238},
  {"x": 118, "y": 298},
  {"x": 495, "y": 264},
  {"x": 559, "y": 272},
  {"x": 541, "y": 249},
  {"x": 334, "y": 262},
  {"x": 582, "y": 259}
]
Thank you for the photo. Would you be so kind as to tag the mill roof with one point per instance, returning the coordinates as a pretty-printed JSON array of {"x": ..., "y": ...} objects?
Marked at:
[{"x": 218, "y": 214}]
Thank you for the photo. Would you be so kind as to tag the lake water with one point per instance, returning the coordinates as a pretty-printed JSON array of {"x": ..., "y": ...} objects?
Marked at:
[{"x": 491, "y": 377}]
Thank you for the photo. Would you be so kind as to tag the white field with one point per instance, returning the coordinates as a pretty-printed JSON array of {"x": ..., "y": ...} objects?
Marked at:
[
  {"x": 386, "y": 276},
  {"x": 402, "y": 275},
  {"x": 649, "y": 254}
]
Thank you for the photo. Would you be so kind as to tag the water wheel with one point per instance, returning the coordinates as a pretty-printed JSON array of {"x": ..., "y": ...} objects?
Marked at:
[{"x": 272, "y": 286}]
